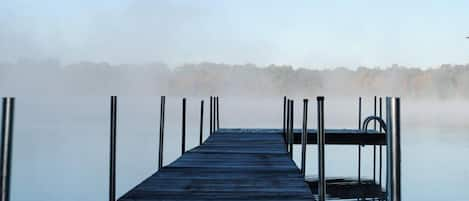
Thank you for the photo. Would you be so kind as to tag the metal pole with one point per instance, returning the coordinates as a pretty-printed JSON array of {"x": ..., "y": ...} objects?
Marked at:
[
  {"x": 287, "y": 129},
  {"x": 374, "y": 111},
  {"x": 304, "y": 137},
  {"x": 393, "y": 123},
  {"x": 321, "y": 149},
  {"x": 359, "y": 146},
  {"x": 291, "y": 128},
  {"x": 183, "y": 138},
  {"x": 201, "y": 121},
  {"x": 161, "y": 140},
  {"x": 374, "y": 146},
  {"x": 214, "y": 115},
  {"x": 112, "y": 157},
  {"x": 7, "y": 146},
  {"x": 218, "y": 113},
  {"x": 211, "y": 115},
  {"x": 284, "y": 116},
  {"x": 380, "y": 147}
]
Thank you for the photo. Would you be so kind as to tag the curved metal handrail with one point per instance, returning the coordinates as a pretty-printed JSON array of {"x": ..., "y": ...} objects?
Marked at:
[{"x": 373, "y": 118}]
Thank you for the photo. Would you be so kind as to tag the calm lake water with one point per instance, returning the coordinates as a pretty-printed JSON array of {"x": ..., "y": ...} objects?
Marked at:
[{"x": 61, "y": 144}]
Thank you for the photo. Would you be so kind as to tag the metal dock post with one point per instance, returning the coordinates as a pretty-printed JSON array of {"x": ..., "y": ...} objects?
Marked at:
[
  {"x": 218, "y": 113},
  {"x": 290, "y": 141},
  {"x": 304, "y": 137},
  {"x": 321, "y": 149},
  {"x": 393, "y": 169},
  {"x": 214, "y": 110},
  {"x": 287, "y": 129},
  {"x": 201, "y": 122},
  {"x": 211, "y": 115},
  {"x": 374, "y": 146},
  {"x": 161, "y": 139},
  {"x": 284, "y": 116},
  {"x": 112, "y": 151},
  {"x": 359, "y": 146},
  {"x": 380, "y": 146},
  {"x": 183, "y": 126},
  {"x": 7, "y": 146}
]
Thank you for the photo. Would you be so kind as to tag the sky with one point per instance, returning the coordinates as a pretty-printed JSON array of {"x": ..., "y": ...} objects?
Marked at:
[{"x": 306, "y": 33}]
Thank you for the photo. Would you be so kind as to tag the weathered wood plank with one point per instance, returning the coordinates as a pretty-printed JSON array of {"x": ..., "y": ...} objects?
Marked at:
[{"x": 230, "y": 165}]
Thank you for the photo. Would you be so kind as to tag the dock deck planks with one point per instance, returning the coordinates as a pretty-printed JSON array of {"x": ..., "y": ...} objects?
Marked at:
[{"x": 233, "y": 164}]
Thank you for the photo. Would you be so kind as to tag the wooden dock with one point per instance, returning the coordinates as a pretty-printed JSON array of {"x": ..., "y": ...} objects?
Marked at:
[{"x": 232, "y": 164}]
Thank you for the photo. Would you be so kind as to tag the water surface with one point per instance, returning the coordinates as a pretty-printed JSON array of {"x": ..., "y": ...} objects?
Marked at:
[{"x": 61, "y": 145}]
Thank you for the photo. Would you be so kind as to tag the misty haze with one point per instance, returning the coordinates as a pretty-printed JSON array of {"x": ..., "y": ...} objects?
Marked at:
[
  {"x": 27, "y": 77},
  {"x": 62, "y": 60}
]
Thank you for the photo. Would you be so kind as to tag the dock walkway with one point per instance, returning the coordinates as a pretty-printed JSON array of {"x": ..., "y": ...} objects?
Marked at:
[{"x": 232, "y": 164}]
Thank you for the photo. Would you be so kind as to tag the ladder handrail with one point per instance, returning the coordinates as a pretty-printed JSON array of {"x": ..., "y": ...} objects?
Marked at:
[{"x": 382, "y": 124}]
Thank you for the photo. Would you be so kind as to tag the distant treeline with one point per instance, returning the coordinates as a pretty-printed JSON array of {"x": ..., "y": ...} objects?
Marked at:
[{"x": 87, "y": 78}]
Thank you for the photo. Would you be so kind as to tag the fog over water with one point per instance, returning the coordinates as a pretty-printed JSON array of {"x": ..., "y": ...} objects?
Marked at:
[
  {"x": 251, "y": 54},
  {"x": 432, "y": 96},
  {"x": 61, "y": 127},
  {"x": 26, "y": 77}
]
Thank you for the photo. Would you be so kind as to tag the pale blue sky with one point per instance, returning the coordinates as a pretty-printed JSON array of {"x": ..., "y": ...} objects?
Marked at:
[{"x": 314, "y": 34}]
